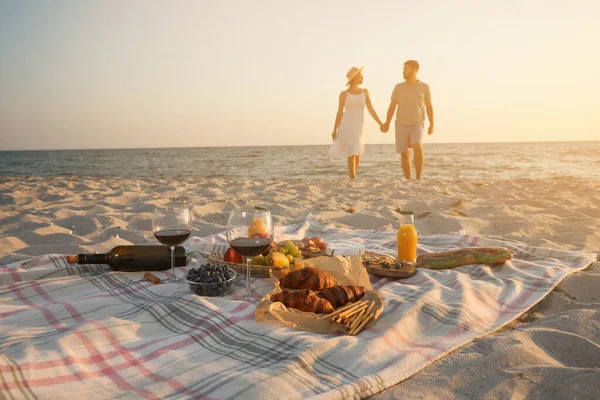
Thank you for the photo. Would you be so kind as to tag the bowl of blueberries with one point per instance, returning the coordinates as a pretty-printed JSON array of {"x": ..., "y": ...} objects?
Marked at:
[{"x": 211, "y": 279}]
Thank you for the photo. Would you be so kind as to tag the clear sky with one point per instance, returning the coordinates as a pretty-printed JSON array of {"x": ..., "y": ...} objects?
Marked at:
[{"x": 114, "y": 74}]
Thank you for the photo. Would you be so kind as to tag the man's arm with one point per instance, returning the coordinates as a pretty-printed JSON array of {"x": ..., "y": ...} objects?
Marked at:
[
  {"x": 391, "y": 112},
  {"x": 429, "y": 109}
]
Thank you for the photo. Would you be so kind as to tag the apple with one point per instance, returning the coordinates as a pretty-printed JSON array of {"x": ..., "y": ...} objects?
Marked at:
[{"x": 232, "y": 256}]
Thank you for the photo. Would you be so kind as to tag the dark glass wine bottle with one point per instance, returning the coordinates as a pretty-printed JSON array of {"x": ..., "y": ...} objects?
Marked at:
[{"x": 134, "y": 258}]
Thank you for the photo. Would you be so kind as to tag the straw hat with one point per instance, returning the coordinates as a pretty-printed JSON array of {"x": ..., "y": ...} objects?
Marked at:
[{"x": 352, "y": 73}]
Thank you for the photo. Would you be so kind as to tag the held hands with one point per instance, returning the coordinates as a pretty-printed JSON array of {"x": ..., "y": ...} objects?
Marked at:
[
  {"x": 384, "y": 127},
  {"x": 430, "y": 130}
]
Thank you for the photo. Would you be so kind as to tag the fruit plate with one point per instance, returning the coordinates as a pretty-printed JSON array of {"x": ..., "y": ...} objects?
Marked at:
[
  {"x": 255, "y": 270},
  {"x": 385, "y": 266},
  {"x": 309, "y": 247}
]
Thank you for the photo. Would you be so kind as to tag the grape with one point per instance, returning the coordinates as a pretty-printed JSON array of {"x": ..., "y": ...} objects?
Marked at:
[
  {"x": 295, "y": 252},
  {"x": 282, "y": 250},
  {"x": 289, "y": 246},
  {"x": 290, "y": 258}
]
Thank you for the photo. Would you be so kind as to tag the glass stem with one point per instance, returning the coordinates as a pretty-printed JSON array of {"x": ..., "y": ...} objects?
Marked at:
[
  {"x": 173, "y": 260},
  {"x": 248, "y": 291}
]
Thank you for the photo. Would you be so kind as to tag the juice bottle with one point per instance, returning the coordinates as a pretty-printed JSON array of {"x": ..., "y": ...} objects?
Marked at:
[{"x": 407, "y": 238}]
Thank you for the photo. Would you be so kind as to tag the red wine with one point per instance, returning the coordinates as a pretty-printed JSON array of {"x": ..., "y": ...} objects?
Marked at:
[
  {"x": 134, "y": 258},
  {"x": 172, "y": 237},
  {"x": 250, "y": 247}
]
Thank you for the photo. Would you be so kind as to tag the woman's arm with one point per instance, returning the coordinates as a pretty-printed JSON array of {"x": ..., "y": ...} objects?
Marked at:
[
  {"x": 338, "y": 116},
  {"x": 370, "y": 108}
]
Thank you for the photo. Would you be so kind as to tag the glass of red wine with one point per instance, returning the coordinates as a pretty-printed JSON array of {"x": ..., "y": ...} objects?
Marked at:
[
  {"x": 172, "y": 227},
  {"x": 250, "y": 233}
]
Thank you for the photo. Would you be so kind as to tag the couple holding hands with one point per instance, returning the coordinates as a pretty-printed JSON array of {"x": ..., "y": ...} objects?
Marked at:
[{"x": 411, "y": 100}]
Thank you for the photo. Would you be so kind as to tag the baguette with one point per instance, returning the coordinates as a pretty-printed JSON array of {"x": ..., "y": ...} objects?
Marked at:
[{"x": 466, "y": 256}]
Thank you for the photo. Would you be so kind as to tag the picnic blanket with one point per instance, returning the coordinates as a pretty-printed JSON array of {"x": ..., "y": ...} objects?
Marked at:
[{"x": 87, "y": 331}]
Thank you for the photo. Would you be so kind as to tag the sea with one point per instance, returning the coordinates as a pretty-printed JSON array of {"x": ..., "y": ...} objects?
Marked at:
[{"x": 470, "y": 161}]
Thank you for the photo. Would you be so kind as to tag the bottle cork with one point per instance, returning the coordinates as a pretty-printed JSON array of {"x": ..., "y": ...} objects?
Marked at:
[{"x": 152, "y": 278}]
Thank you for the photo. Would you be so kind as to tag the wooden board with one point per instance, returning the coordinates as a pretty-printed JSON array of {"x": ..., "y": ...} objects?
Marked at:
[
  {"x": 406, "y": 271},
  {"x": 373, "y": 264},
  {"x": 312, "y": 254}
]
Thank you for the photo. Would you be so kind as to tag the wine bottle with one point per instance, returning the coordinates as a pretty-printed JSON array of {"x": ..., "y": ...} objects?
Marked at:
[{"x": 134, "y": 258}]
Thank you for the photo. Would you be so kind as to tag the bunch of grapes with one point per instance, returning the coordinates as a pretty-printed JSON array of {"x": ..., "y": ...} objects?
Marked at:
[{"x": 290, "y": 250}]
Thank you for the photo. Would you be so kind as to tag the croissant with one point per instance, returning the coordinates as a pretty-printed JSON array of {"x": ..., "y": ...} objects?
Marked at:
[
  {"x": 339, "y": 295},
  {"x": 308, "y": 278},
  {"x": 303, "y": 300}
]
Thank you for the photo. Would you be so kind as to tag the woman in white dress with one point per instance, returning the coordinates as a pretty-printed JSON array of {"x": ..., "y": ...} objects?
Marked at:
[{"x": 347, "y": 133}]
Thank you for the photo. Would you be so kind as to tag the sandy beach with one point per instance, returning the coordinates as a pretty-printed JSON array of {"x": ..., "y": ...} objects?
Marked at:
[{"x": 552, "y": 351}]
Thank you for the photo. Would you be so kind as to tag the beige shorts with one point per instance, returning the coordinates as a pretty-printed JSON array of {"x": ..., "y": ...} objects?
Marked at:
[{"x": 407, "y": 136}]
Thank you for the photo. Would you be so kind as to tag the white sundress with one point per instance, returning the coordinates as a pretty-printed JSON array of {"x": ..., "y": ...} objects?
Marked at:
[{"x": 350, "y": 140}]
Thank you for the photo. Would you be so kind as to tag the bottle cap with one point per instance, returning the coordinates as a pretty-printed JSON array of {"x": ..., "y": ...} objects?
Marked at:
[{"x": 346, "y": 250}]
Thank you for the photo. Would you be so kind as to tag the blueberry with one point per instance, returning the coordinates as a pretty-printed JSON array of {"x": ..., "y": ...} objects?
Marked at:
[
  {"x": 193, "y": 271},
  {"x": 368, "y": 262},
  {"x": 398, "y": 265}
]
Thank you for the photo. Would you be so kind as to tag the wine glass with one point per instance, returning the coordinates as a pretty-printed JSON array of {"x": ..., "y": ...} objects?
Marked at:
[
  {"x": 250, "y": 233},
  {"x": 172, "y": 227}
]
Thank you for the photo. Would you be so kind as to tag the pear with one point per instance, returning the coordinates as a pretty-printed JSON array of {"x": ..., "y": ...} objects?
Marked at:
[{"x": 278, "y": 260}]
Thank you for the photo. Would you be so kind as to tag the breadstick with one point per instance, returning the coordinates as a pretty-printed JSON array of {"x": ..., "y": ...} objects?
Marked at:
[
  {"x": 355, "y": 310},
  {"x": 340, "y": 310},
  {"x": 351, "y": 319},
  {"x": 356, "y": 330},
  {"x": 370, "y": 308},
  {"x": 358, "y": 320},
  {"x": 152, "y": 278}
]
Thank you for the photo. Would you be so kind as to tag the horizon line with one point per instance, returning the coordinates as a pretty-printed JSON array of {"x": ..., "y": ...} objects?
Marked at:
[{"x": 287, "y": 145}]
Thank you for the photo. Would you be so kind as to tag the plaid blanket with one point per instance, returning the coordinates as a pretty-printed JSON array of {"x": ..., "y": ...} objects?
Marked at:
[{"x": 87, "y": 331}]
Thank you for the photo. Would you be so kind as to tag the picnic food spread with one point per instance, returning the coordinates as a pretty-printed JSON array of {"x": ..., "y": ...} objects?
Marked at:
[{"x": 301, "y": 286}]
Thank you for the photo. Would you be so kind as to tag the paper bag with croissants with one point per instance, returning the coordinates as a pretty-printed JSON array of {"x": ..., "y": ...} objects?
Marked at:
[{"x": 308, "y": 293}]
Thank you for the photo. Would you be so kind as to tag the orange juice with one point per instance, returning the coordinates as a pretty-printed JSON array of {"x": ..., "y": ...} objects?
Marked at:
[{"x": 407, "y": 238}]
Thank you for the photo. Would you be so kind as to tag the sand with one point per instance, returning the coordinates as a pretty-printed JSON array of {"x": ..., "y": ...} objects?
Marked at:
[{"x": 551, "y": 352}]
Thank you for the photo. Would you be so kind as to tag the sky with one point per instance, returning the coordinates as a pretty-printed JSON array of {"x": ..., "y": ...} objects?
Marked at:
[{"x": 126, "y": 74}]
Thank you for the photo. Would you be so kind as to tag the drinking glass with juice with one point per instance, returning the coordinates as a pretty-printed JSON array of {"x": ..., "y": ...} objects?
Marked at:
[{"x": 407, "y": 238}]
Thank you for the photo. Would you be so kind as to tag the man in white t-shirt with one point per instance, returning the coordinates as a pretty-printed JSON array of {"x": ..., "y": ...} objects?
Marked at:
[{"x": 411, "y": 99}]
